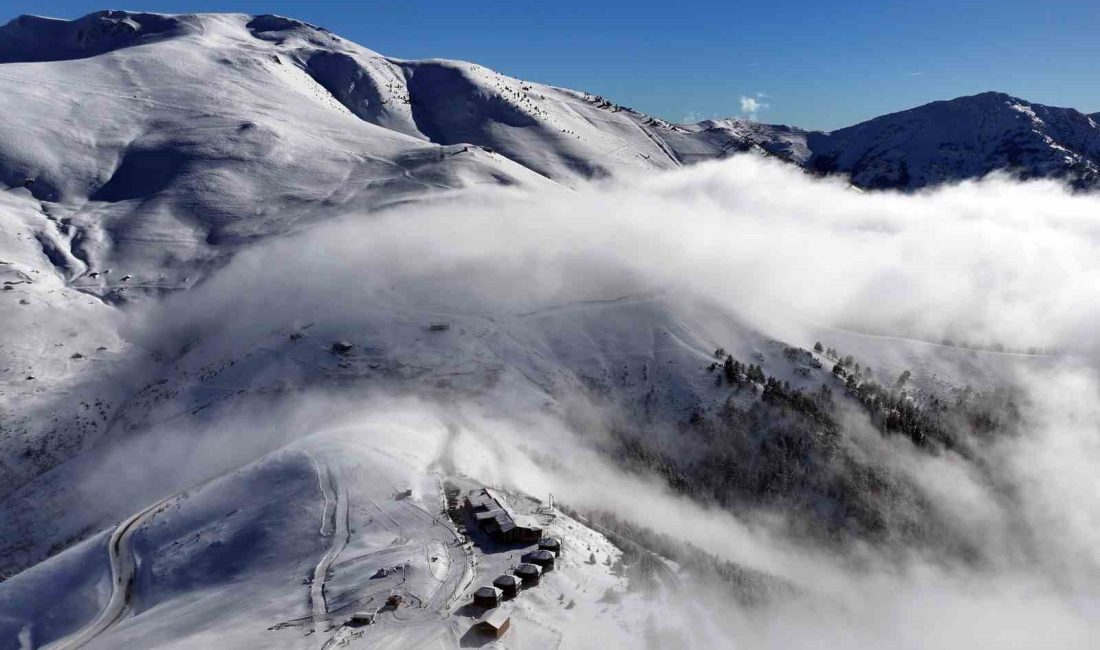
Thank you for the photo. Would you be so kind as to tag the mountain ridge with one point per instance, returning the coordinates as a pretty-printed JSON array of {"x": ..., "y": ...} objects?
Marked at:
[
  {"x": 964, "y": 138},
  {"x": 576, "y": 135}
]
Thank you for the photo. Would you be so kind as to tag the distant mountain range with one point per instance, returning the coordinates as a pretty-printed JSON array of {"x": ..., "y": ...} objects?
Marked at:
[{"x": 562, "y": 134}]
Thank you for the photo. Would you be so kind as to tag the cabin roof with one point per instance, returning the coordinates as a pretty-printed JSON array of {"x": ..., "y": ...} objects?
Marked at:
[{"x": 495, "y": 617}]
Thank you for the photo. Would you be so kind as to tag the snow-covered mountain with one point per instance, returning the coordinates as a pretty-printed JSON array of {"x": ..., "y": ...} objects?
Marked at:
[
  {"x": 155, "y": 139},
  {"x": 262, "y": 317},
  {"x": 144, "y": 156},
  {"x": 962, "y": 139},
  {"x": 941, "y": 142},
  {"x": 167, "y": 142}
]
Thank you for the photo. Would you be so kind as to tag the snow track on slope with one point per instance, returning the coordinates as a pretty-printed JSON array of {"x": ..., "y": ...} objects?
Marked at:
[
  {"x": 334, "y": 522},
  {"x": 123, "y": 575}
]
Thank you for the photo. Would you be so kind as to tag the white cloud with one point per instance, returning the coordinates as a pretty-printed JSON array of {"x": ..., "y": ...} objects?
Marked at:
[
  {"x": 991, "y": 261},
  {"x": 750, "y": 106},
  {"x": 986, "y": 262}
]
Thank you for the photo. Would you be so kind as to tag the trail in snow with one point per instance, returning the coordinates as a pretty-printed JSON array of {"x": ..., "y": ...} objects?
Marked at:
[
  {"x": 334, "y": 522},
  {"x": 933, "y": 344},
  {"x": 324, "y": 482},
  {"x": 578, "y": 305},
  {"x": 123, "y": 574}
]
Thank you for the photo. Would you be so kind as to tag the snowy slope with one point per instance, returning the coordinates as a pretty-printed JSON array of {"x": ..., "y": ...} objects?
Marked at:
[
  {"x": 155, "y": 142},
  {"x": 216, "y": 565},
  {"x": 182, "y": 139},
  {"x": 717, "y": 138}
]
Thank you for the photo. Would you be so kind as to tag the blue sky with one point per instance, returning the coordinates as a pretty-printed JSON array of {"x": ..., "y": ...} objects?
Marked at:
[{"x": 819, "y": 64}]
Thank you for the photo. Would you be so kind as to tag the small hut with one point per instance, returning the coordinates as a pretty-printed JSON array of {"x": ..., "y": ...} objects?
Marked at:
[
  {"x": 552, "y": 544},
  {"x": 529, "y": 573},
  {"x": 359, "y": 619},
  {"x": 527, "y": 531},
  {"x": 508, "y": 585},
  {"x": 544, "y": 559},
  {"x": 487, "y": 597},
  {"x": 494, "y": 622}
]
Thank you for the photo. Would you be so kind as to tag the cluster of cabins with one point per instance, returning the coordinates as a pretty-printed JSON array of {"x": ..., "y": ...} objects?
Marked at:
[{"x": 495, "y": 621}]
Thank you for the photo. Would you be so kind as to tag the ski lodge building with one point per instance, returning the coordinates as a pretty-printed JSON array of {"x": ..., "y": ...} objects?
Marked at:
[{"x": 493, "y": 515}]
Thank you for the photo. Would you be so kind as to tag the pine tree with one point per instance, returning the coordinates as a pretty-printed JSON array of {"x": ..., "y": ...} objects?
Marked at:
[
  {"x": 755, "y": 373},
  {"x": 729, "y": 370}
]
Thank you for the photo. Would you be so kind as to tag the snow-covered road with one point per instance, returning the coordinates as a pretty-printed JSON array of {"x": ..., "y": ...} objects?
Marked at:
[
  {"x": 334, "y": 522},
  {"x": 123, "y": 572}
]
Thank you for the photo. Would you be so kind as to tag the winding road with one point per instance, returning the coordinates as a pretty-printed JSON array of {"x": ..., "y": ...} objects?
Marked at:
[{"x": 123, "y": 572}]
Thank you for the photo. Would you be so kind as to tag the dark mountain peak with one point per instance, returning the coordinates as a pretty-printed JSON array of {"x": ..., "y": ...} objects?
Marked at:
[
  {"x": 36, "y": 38},
  {"x": 988, "y": 95},
  {"x": 963, "y": 138}
]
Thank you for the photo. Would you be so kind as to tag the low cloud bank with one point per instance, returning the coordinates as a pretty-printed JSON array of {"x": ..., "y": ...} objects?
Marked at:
[{"x": 988, "y": 263}]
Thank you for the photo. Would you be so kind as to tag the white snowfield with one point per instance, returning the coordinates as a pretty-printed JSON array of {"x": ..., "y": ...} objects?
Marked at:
[
  {"x": 167, "y": 142},
  {"x": 186, "y": 461},
  {"x": 238, "y": 561}
]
